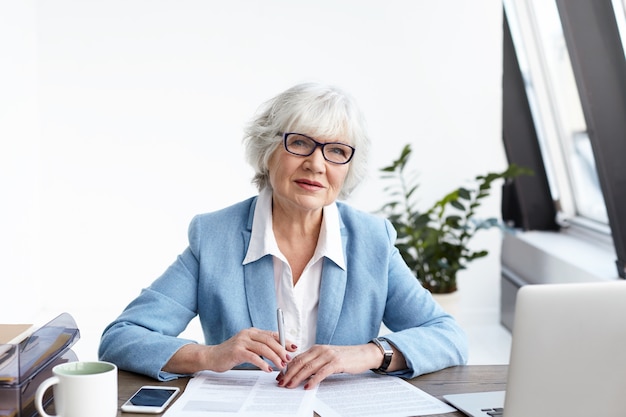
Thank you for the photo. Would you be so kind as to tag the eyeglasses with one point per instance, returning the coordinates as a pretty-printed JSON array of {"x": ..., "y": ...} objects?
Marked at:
[{"x": 302, "y": 145}]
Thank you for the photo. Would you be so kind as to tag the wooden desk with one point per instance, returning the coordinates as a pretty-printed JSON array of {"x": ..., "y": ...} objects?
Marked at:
[
  {"x": 461, "y": 379},
  {"x": 458, "y": 379}
]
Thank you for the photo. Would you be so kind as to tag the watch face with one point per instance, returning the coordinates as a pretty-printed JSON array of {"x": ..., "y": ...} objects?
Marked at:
[{"x": 385, "y": 345}]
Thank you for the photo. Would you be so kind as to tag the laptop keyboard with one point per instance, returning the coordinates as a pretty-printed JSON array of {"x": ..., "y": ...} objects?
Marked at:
[{"x": 493, "y": 412}]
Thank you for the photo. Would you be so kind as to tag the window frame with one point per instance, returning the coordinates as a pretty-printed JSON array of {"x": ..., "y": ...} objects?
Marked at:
[
  {"x": 599, "y": 69},
  {"x": 597, "y": 58}
]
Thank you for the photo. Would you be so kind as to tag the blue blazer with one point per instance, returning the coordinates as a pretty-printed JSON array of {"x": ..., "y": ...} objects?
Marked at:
[{"x": 209, "y": 280}]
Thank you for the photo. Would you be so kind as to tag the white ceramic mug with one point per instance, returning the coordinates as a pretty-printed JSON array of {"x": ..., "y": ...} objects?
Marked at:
[{"x": 81, "y": 389}]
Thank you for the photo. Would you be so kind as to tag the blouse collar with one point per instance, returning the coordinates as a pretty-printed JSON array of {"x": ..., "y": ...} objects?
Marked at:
[{"x": 263, "y": 241}]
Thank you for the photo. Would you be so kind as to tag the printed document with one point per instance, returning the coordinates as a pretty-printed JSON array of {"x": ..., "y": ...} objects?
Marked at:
[
  {"x": 247, "y": 393},
  {"x": 374, "y": 395},
  {"x": 253, "y": 393}
]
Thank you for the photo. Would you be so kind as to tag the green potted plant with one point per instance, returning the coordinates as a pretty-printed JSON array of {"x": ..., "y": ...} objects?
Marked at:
[{"x": 435, "y": 243}]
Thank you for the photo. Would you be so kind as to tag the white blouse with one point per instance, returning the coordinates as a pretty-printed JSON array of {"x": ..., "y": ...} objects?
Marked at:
[{"x": 299, "y": 302}]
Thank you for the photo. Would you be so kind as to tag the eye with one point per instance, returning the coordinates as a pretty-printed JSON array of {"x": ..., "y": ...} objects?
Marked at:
[
  {"x": 299, "y": 142},
  {"x": 338, "y": 150}
]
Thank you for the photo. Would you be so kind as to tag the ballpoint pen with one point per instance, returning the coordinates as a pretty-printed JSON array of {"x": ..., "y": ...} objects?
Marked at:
[{"x": 281, "y": 331}]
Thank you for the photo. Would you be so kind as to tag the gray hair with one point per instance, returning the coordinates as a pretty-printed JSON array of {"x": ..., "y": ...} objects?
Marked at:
[{"x": 317, "y": 110}]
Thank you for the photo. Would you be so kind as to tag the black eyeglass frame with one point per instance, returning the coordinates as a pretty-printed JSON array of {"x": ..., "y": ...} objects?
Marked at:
[{"x": 317, "y": 145}]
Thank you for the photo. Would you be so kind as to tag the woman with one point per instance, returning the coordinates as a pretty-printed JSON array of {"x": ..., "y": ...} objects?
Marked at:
[{"x": 333, "y": 270}]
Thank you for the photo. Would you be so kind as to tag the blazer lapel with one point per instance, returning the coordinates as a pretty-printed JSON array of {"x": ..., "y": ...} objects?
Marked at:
[
  {"x": 332, "y": 294},
  {"x": 259, "y": 285},
  {"x": 260, "y": 293}
]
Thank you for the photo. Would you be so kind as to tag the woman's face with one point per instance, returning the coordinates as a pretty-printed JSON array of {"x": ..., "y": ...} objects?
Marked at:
[{"x": 306, "y": 183}]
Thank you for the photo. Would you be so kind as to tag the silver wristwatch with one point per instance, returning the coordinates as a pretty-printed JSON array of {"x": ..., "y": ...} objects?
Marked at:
[{"x": 385, "y": 347}]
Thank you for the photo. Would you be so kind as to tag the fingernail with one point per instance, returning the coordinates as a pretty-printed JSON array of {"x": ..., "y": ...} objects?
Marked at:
[
  {"x": 283, "y": 363},
  {"x": 288, "y": 357},
  {"x": 294, "y": 346}
]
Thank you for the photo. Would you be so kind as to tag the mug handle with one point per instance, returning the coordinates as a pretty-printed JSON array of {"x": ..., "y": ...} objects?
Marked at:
[{"x": 41, "y": 390}]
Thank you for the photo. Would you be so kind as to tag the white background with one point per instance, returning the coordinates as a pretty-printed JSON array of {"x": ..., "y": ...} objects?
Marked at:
[{"x": 120, "y": 120}]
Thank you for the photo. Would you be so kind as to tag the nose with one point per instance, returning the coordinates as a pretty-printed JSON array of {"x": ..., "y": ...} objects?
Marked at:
[{"x": 316, "y": 161}]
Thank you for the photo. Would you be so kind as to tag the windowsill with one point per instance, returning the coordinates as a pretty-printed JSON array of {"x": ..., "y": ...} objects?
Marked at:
[{"x": 539, "y": 257}]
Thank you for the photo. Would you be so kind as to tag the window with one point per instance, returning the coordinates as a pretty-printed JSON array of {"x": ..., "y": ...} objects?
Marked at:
[
  {"x": 571, "y": 83},
  {"x": 556, "y": 108}
]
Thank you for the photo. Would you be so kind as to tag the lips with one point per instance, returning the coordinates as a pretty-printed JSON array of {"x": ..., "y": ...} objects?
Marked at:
[{"x": 309, "y": 184}]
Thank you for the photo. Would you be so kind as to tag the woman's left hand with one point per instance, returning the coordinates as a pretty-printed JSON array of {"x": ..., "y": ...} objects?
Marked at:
[{"x": 320, "y": 361}]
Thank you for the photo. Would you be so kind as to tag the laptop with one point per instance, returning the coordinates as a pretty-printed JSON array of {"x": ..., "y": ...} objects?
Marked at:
[{"x": 568, "y": 355}]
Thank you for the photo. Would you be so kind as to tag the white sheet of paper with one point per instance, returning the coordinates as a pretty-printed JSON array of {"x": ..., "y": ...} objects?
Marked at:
[
  {"x": 247, "y": 393},
  {"x": 370, "y": 394}
]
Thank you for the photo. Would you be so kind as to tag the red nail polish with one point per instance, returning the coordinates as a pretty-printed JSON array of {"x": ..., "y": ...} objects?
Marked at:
[
  {"x": 294, "y": 346},
  {"x": 288, "y": 358}
]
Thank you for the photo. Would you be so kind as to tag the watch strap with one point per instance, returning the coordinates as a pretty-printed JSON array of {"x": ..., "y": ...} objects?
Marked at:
[{"x": 385, "y": 347}]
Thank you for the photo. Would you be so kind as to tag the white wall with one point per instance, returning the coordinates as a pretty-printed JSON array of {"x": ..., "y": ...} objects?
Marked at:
[
  {"x": 123, "y": 119},
  {"x": 20, "y": 167}
]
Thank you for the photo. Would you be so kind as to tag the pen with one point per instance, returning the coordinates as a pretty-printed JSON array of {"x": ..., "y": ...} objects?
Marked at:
[{"x": 281, "y": 331}]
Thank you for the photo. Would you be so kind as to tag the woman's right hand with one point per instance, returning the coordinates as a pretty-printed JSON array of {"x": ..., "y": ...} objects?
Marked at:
[{"x": 248, "y": 346}]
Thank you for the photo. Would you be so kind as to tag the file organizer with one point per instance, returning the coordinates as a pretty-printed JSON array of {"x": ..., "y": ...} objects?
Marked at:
[{"x": 25, "y": 365}]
